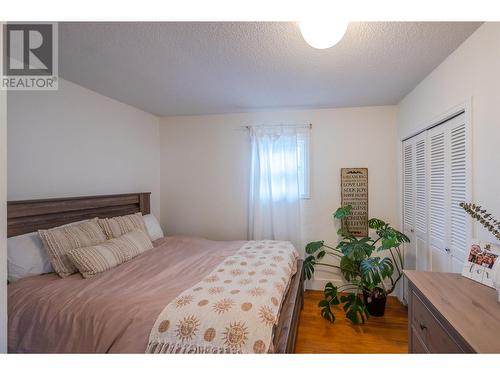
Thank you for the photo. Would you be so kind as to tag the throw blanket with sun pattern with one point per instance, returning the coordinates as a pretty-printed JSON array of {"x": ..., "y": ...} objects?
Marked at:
[{"x": 234, "y": 309}]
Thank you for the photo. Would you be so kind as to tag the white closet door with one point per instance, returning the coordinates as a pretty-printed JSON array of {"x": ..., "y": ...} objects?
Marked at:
[
  {"x": 421, "y": 209},
  {"x": 409, "y": 202},
  {"x": 436, "y": 179},
  {"x": 438, "y": 202},
  {"x": 459, "y": 191}
]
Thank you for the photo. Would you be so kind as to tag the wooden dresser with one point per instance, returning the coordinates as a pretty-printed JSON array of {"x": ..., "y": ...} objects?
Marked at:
[{"x": 448, "y": 313}]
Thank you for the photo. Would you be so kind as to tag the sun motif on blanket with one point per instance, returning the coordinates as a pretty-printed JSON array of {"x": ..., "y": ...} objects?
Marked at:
[
  {"x": 215, "y": 290},
  {"x": 257, "y": 291},
  {"x": 258, "y": 263},
  {"x": 224, "y": 305},
  {"x": 229, "y": 262},
  {"x": 212, "y": 279},
  {"x": 266, "y": 315},
  {"x": 279, "y": 287},
  {"x": 268, "y": 272},
  {"x": 187, "y": 327},
  {"x": 183, "y": 300},
  {"x": 245, "y": 281},
  {"x": 278, "y": 258},
  {"x": 235, "y": 335},
  {"x": 236, "y": 272}
]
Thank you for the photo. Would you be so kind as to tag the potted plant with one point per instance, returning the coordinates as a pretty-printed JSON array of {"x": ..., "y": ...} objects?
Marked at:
[{"x": 370, "y": 279}]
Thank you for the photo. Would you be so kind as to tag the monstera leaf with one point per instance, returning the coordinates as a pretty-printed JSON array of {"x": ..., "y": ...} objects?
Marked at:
[
  {"x": 349, "y": 268},
  {"x": 376, "y": 223},
  {"x": 312, "y": 247},
  {"x": 331, "y": 299},
  {"x": 331, "y": 294},
  {"x": 354, "y": 308},
  {"x": 308, "y": 266},
  {"x": 326, "y": 311},
  {"x": 390, "y": 237},
  {"x": 389, "y": 242},
  {"x": 375, "y": 270},
  {"x": 342, "y": 212},
  {"x": 356, "y": 249},
  {"x": 401, "y": 236}
]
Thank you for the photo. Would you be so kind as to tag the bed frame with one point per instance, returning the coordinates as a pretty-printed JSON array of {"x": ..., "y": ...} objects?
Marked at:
[{"x": 31, "y": 215}]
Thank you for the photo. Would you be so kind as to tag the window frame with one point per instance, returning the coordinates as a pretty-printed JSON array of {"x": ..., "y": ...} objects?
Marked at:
[{"x": 304, "y": 139}]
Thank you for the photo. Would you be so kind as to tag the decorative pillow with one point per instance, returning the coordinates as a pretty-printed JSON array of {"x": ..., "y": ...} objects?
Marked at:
[
  {"x": 99, "y": 258},
  {"x": 153, "y": 227},
  {"x": 118, "y": 226},
  {"x": 26, "y": 257},
  {"x": 58, "y": 241}
]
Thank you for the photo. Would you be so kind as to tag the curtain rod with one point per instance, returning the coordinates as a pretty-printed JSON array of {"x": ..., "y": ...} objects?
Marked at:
[{"x": 294, "y": 126}]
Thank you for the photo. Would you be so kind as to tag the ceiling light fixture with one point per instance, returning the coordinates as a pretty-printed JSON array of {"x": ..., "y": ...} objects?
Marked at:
[{"x": 323, "y": 33}]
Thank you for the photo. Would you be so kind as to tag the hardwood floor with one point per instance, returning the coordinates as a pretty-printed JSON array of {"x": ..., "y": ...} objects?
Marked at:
[{"x": 387, "y": 334}]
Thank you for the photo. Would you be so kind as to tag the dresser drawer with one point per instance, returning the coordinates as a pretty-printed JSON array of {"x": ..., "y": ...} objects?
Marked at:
[
  {"x": 418, "y": 347},
  {"x": 429, "y": 330}
]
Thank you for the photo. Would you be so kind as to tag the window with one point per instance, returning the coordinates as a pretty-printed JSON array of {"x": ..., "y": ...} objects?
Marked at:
[{"x": 303, "y": 165}]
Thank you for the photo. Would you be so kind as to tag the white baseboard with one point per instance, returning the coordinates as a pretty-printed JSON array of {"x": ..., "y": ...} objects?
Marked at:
[{"x": 319, "y": 284}]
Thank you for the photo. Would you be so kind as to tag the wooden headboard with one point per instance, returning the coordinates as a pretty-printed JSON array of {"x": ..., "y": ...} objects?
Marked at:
[{"x": 31, "y": 215}]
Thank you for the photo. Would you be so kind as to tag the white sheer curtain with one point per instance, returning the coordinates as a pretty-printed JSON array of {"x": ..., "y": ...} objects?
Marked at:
[{"x": 274, "y": 207}]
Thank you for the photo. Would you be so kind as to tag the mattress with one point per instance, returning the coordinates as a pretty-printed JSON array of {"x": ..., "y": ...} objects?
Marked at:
[{"x": 114, "y": 311}]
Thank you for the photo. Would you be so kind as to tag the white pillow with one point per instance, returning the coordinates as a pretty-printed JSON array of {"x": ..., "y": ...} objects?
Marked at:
[
  {"x": 153, "y": 227},
  {"x": 26, "y": 256}
]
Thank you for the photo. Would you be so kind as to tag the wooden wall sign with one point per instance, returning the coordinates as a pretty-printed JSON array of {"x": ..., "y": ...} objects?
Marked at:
[{"x": 354, "y": 192}]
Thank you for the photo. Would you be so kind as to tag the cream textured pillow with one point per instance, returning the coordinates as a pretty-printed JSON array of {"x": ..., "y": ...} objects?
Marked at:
[
  {"x": 99, "y": 258},
  {"x": 118, "y": 226},
  {"x": 58, "y": 241}
]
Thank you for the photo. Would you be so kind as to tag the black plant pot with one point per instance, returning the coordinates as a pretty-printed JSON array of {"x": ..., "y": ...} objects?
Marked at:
[{"x": 375, "y": 302}]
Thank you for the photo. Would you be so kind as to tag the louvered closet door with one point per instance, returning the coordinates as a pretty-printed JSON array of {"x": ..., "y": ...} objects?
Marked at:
[
  {"x": 409, "y": 202},
  {"x": 421, "y": 209},
  {"x": 438, "y": 198},
  {"x": 459, "y": 191},
  {"x": 436, "y": 179}
]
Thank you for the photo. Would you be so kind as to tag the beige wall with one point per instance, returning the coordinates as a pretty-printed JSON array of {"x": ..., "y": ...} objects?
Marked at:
[
  {"x": 3, "y": 221},
  {"x": 75, "y": 142},
  {"x": 205, "y": 163},
  {"x": 472, "y": 73}
]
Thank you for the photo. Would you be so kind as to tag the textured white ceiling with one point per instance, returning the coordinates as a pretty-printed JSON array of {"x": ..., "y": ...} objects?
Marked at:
[{"x": 217, "y": 67}]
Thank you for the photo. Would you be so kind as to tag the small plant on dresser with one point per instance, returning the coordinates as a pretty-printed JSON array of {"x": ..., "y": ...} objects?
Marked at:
[{"x": 370, "y": 279}]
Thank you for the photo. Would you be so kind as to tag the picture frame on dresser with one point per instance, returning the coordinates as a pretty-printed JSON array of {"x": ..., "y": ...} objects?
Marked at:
[{"x": 481, "y": 261}]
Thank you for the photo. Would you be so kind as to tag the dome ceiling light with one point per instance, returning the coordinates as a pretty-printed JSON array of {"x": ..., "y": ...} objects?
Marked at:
[{"x": 323, "y": 33}]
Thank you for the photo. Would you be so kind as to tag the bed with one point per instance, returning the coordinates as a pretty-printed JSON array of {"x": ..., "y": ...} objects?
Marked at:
[{"x": 114, "y": 312}]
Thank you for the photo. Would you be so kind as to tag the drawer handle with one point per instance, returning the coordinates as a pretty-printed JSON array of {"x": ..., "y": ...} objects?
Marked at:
[{"x": 423, "y": 326}]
